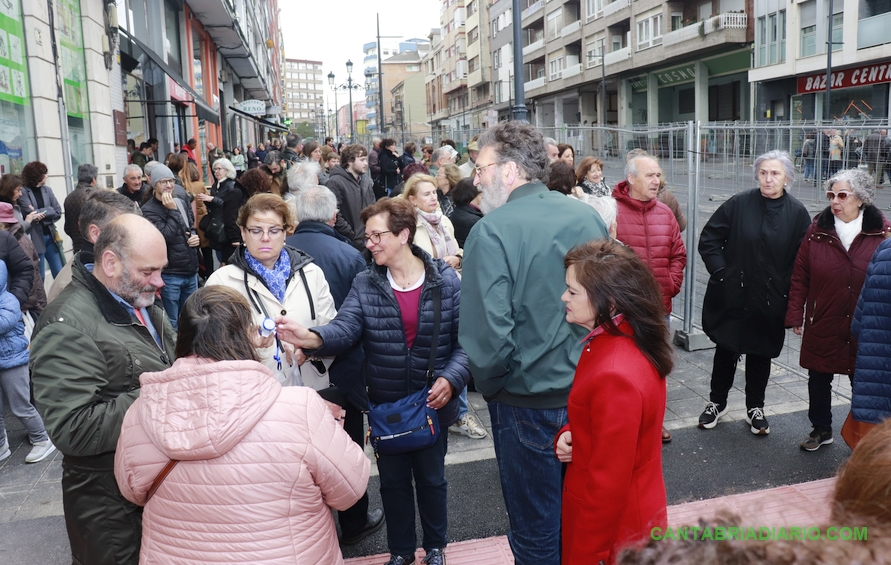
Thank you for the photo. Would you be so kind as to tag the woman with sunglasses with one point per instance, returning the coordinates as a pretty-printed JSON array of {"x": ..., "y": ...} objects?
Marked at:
[{"x": 829, "y": 273}]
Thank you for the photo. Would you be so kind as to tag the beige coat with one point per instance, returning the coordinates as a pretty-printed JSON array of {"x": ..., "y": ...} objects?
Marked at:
[{"x": 260, "y": 467}]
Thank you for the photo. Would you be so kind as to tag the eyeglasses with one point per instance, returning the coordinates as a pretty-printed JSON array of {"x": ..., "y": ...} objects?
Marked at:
[
  {"x": 272, "y": 232},
  {"x": 219, "y": 169},
  {"x": 375, "y": 238},
  {"x": 478, "y": 170},
  {"x": 166, "y": 182},
  {"x": 842, "y": 196}
]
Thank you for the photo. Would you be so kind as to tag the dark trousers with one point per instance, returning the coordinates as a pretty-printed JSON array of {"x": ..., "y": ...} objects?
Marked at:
[
  {"x": 724, "y": 369},
  {"x": 103, "y": 527},
  {"x": 353, "y": 519},
  {"x": 819, "y": 392},
  {"x": 427, "y": 467}
]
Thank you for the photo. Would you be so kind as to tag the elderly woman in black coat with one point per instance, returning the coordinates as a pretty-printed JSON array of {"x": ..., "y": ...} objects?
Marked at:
[
  {"x": 390, "y": 309},
  {"x": 749, "y": 247}
]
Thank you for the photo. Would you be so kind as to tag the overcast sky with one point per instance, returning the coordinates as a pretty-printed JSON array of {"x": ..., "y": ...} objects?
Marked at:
[{"x": 333, "y": 31}]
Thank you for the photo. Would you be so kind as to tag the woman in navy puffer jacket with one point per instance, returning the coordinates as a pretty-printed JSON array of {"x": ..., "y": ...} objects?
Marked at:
[
  {"x": 871, "y": 399},
  {"x": 390, "y": 309}
]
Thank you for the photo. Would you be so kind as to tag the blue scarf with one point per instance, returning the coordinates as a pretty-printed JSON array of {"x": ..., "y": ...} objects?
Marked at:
[{"x": 276, "y": 280}]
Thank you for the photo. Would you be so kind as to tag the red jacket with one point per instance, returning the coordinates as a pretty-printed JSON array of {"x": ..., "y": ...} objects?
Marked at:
[
  {"x": 651, "y": 230},
  {"x": 613, "y": 493},
  {"x": 826, "y": 283}
]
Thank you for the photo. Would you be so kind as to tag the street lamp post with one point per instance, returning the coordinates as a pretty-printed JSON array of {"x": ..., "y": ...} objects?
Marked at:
[
  {"x": 336, "y": 109},
  {"x": 349, "y": 86}
]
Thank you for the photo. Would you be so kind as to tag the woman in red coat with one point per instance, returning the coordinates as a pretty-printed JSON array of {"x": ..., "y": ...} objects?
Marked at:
[
  {"x": 613, "y": 493},
  {"x": 829, "y": 272}
]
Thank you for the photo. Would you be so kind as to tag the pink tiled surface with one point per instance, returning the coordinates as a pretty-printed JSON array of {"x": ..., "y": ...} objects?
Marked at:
[{"x": 805, "y": 504}]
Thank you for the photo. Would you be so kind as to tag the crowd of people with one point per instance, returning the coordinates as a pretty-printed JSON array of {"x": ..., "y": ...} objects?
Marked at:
[{"x": 231, "y": 336}]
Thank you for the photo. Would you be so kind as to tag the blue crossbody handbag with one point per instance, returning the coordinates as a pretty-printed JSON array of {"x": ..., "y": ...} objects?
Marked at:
[{"x": 408, "y": 424}]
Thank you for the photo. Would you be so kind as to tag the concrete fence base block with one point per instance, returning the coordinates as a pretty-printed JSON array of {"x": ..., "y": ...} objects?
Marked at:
[{"x": 694, "y": 341}]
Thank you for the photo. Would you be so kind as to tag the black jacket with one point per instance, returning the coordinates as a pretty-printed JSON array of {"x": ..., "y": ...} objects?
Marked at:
[
  {"x": 21, "y": 270},
  {"x": 353, "y": 196},
  {"x": 340, "y": 262},
  {"x": 749, "y": 247},
  {"x": 291, "y": 155},
  {"x": 463, "y": 218},
  {"x": 370, "y": 315},
  {"x": 72, "y": 205},
  {"x": 181, "y": 259},
  {"x": 405, "y": 160},
  {"x": 227, "y": 201},
  {"x": 389, "y": 164},
  {"x": 137, "y": 197}
]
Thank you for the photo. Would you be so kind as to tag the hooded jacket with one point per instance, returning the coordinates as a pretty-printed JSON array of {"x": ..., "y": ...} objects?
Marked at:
[
  {"x": 370, "y": 314},
  {"x": 259, "y": 467},
  {"x": 181, "y": 259},
  {"x": 826, "y": 283},
  {"x": 13, "y": 344},
  {"x": 353, "y": 195},
  {"x": 651, "y": 230}
]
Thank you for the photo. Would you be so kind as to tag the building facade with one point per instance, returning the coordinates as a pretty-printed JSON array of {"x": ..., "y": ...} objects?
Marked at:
[
  {"x": 304, "y": 100},
  {"x": 411, "y": 52}
]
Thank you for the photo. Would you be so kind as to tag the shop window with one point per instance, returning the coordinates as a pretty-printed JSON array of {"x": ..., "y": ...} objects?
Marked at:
[
  {"x": 723, "y": 102},
  {"x": 686, "y": 101},
  {"x": 17, "y": 134}
]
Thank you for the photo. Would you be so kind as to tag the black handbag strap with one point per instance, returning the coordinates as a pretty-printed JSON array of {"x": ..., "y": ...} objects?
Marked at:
[{"x": 434, "y": 343}]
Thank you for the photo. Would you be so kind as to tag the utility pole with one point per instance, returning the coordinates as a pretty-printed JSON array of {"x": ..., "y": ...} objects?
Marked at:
[
  {"x": 827, "y": 114},
  {"x": 602, "y": 81},
  {"x": 519, "y": 110}
]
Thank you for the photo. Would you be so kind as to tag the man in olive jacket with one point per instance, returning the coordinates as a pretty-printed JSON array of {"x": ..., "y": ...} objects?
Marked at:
[
  {"x": 88, "y": 350},
  {"x": 522, "y": 353}
]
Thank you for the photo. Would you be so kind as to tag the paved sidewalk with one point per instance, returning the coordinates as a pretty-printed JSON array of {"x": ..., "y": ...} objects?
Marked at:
[{"x": 801, "y": 505}]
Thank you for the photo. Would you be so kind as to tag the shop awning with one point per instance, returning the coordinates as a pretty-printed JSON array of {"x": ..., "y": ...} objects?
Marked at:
[
  {"x": 202, "y": 109},
  {"x": 261, "y": 121}
]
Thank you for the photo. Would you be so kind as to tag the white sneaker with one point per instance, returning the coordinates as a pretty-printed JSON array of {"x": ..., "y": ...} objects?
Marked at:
[
  {"x": 469, "y": 426},
  {"x": 40, "y": 451},
  {"x": 4, "y": 451}
]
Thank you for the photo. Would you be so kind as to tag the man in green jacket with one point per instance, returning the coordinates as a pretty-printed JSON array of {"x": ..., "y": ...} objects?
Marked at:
[
  {"x": 522, "y": 353},
  {"x": 88, "y": 350}
]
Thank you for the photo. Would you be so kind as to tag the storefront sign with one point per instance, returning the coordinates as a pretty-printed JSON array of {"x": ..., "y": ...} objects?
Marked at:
[
  {"x": 120, "y": 128},
  {"x": 860, "y": 76},
  {"x": 253, "y": 107},
  {"x": 667, "y": 77},
  {"x": 177, "y": 92}
]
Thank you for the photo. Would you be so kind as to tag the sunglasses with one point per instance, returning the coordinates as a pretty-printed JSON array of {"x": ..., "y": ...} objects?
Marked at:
[{"x": 842, "y": 196}]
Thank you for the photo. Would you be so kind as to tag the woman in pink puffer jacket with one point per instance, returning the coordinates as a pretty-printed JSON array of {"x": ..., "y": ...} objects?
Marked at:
[{"x": 260, "y": 466}]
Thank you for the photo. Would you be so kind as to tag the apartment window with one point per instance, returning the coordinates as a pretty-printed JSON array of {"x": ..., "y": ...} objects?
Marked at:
[
  {"x": 473, "y": 64},
  {"x": 771, "y": 39},
  {"x": 838, "y": 22},
  {"x": 593, "y": 53},
  {"x": 677, "y": 20},
  {"x": 554, "y": 23},
  {"x": 555, "y": 66},
  {"x": 496, "y": 59},
  {"x": 499, "y": 96},
  {"x": 649, "y": 32},
  {"x": 412, "y": 68},
  {"x": 473, "y": 35},
  {"x": 808, "y": 17},
  {"x": 471, "y": 8},
  {"x": 593, "y": 9},
  {"x": 301, "y": 66}
]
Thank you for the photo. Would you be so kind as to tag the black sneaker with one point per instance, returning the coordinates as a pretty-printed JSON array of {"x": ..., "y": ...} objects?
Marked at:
[
  {"x": 709, "y": 417},
  {"x": 435, "y": 557},
  {"x": 816, "y": 439},
  {"x": 399, "y": 560},
  {"x": 755, "y": 418}
]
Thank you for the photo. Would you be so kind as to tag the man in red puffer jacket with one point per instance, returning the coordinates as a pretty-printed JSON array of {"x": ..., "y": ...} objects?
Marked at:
[{"x": 649, "y": 227}]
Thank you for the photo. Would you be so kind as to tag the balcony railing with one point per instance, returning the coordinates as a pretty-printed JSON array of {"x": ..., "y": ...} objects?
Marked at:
[
  {"x": 614, "y": 7},
  {"x": 533, "y": 84},
  {"x": 617, "y": 56},
  {"x": 573, "y": 27},
  {"x": 873, "y": 31},
  {"x": 705, "y": 27},
  {"x": 533, "y": 46},
  {"x": 532, "y": 9},
  {"x": 572, "y": 70}
]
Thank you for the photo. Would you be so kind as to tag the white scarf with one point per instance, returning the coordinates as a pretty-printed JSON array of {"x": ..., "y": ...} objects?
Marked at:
[{"x": 847, "y": 231}]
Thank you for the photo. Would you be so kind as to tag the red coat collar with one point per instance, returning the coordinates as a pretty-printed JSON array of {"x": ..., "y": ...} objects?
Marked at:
[{"x": 617, "y": 320}]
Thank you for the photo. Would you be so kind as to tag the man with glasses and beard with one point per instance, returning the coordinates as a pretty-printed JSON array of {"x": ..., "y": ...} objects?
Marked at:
[
  {"x": 88, "y": 350},
  {"x": 522, "y": 354}
]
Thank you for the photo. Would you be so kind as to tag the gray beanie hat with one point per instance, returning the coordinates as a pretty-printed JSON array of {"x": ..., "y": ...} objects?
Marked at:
[{"x": 161, "y": 172}]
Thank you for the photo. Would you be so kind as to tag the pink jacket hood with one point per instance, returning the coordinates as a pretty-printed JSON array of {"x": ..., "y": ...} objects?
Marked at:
[{"x": 193, "y": 412}]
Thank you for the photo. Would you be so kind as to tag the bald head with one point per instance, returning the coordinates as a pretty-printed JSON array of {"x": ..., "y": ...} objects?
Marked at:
[{"x": 129, "y": 255}]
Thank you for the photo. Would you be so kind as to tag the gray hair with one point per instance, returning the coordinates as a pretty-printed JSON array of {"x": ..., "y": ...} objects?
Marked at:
[
  {"x": 226, "y": 164},
  {"x": 315, "y": 203},
  {"x": 149, "y": 167},
  {"x": 862, "y": 184},
  {"x": 131, "y": 168},
  {"x": 444, "y": 151},
  {"x": 303, "y": 174},
  {"x": 521, "y": 144},
  {"x": 606, "y": 206},
  {"x": 631, "y": 164},
  {"x": 549, "y": 141},
  {"x": 102, "y": 206},
  {"x": 777, "y": 155},
  {"x": 87, "y": 173}
]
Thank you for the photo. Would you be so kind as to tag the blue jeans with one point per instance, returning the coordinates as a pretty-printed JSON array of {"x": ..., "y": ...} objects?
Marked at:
[
  {"x": 51, "y": 256},
  {"x": 809, "y": 170},
  {"x": 398, "y": 498},
  {"x": 531, "y": 479},
  {"x": 462, "y": 403},
  {"x": 176, "y": 289}
]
